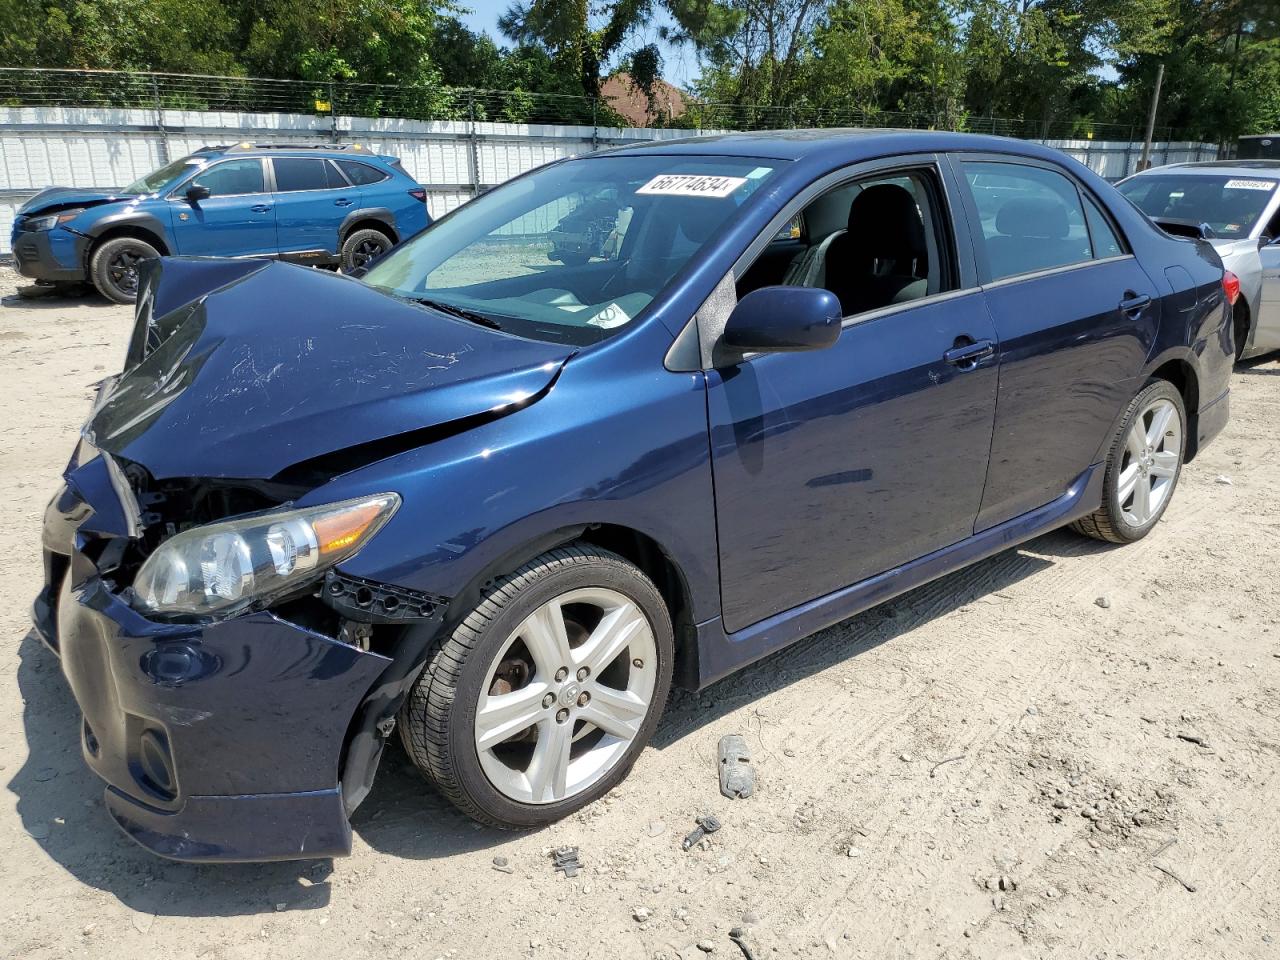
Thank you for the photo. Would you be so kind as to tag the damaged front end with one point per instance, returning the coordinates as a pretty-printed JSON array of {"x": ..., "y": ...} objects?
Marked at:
[{"x": 237, "y": 686}]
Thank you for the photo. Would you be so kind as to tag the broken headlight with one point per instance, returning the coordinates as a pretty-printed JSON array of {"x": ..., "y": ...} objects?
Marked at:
[
  {"x": 222, "y": 568},
  {"x": 52, "y": 220}
]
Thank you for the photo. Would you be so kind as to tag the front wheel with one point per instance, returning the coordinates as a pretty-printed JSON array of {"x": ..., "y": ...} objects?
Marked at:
[
  {"x": 541, "y": 699},
  {"x": 1142, "y": 468},
  {"x": 113, "y": 267}
]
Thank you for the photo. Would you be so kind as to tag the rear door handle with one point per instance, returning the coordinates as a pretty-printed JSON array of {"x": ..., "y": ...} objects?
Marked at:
[
  {"x": 343, "y": 202},
  {"x": 261, "y": 208},
  {"x": 966, "y": 356},
  {"x": 1132, "y": 303}
]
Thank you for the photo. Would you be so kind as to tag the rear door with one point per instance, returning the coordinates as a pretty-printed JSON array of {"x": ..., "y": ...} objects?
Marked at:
[
  {"x": 237, "y": 219},
  {"x": 312, "y": 198},
  {"x": 1075, "y": 315}
]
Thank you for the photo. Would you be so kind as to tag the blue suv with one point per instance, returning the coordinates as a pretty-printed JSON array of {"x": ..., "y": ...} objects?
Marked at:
[{"x": 322, "y": 206}]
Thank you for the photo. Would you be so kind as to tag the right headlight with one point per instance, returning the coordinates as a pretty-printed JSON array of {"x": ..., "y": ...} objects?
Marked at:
[{"x": 223, "y": 568}]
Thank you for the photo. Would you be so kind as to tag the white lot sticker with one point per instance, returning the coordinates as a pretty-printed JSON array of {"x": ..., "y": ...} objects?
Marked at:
[
  {"x": 1250, "y": 184},
  {"x": 692, "y": 185},
  {"x": 611, "y": 316}
]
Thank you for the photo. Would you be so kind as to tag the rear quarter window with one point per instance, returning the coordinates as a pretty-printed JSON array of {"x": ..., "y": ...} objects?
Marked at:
[{"x": 362, "y": 173}]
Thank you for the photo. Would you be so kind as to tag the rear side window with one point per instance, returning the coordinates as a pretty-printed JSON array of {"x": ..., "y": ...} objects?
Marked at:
[
  {"x": 232, "y": 177},
  {"x": 305, "y": 173},
  {"x": 361, "y": 173},
  {"x": 1032, "y": 218}
]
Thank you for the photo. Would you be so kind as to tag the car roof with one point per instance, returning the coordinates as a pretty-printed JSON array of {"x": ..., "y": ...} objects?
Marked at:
[
  {"x": 1218, "y": 168},
  {"x": 837, "y": 145},
  {"x": 343, "y": 150}
]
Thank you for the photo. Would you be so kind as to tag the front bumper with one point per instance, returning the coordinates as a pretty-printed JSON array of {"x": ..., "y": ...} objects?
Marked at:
[
  {"x": 217, "y": 742},
  {"x": 56, "y": 255}
]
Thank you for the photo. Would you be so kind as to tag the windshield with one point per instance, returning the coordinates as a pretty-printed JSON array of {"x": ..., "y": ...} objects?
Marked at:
[
  {"x": 575, "y": 251},
  {"x": 156, "y": 180},
  {"x": 1231, "y": 206}
]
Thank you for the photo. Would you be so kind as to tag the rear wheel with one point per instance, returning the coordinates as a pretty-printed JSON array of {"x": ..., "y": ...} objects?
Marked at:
[
  {"x": 541, "y": 699},
  {"x": 113, "y": 267},
  {"x": 1142, "y": 468},
  {"x": 362, "y": 247}
]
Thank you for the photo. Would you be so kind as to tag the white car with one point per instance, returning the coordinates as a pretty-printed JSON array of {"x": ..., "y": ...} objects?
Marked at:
[{"x": 1235, "y": 205}]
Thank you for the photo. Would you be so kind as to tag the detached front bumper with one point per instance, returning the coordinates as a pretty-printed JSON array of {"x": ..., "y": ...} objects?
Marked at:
[
  {"x": 56, "y": 255},
  {"x": 217, "y": 742}
]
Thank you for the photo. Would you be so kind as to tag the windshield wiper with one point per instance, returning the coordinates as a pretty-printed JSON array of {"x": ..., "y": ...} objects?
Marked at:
[{"x": 461, "y": 312}]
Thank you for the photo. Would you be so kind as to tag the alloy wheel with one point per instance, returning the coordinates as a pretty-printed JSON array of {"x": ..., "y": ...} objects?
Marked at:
[
  {"x": 365, "y": 251},
  {"x": 123, "y": 270},
  {"x": 566, "y": 695},
  {"x": 1152, "y": 452}
]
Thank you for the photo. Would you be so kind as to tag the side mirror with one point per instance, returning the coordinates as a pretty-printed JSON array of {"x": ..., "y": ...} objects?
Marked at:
[
  {"x": 782, "y": 319},
  {"x": 197, "y": 192}
]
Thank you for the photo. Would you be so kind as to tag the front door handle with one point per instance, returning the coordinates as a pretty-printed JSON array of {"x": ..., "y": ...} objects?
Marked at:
[
  {"x": 966, "y": 355},
  {"x": 1133, "y": 302},
  {"x": 261, "y": 208},
  {"x": 343, "y": 202}
]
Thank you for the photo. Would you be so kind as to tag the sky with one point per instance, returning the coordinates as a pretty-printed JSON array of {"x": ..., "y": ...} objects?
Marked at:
[{"x": 679, "y": 66}]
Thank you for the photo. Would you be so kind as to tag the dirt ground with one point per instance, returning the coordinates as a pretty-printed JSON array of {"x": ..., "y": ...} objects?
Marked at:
[{"x": 1070, "y": 750}]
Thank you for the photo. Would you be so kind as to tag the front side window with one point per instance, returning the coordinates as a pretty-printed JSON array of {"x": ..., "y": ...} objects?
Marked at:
[
  {"x": 577, "y": 250},
  {"x": 1032, "y": 218},
  {"x": 232, "y": 178},
  {"x": 304, "y": 173},
  {"x": 1231, "y": 206},
  {"x": 875, "y": 242}
]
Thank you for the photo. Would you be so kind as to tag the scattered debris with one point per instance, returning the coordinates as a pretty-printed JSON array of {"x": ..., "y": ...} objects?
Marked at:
[
  {"x": 706, "y": 825},
  {"x": 1190, "y": 737},
  {"x": 906, "y": 757},
  {"x": 706, "y": 946},
  {"x": 503, "y": 865},
  {"x": 1223, "y": 479},
  {"x": 933, "y": 771},
  {"x": 737, "y": 775},
  {"x": 739, "y": 936},
  {"x": 565, "y": 859},
  {"x": 657, "y": 828},
  {"x": 641, "y": 914},
  {"x": 1104, "y": 602},
  {"x": 1190, "y": 887}
]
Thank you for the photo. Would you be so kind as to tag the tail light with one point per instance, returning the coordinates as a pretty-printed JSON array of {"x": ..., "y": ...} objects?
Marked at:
[
  {"x": 1231, "y": 287},
  {"x": 421, "y": 195}
]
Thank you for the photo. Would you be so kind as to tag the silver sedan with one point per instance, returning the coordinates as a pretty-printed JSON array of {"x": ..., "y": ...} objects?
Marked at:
[{"x": 1235, "y": 205}]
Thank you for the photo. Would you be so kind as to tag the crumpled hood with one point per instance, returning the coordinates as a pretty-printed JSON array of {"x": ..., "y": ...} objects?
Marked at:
[
  {"x": 279, "y": 364},
  {"x": 64, "y": 198}
]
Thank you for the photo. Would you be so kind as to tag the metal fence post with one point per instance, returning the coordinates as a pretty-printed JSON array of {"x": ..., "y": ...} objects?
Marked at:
[
  {"x": 595, "y": 128},
  {"x": 333, "y": 112},
  {"x": 474, "y": 141},
  {"x": 164, "y": 136}
]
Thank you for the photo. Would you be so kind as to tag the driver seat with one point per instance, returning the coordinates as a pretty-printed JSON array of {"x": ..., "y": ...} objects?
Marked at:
[{"x": 882, "y": 259}]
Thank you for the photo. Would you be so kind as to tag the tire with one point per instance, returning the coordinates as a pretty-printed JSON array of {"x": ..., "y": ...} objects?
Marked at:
[
  {"x": 1132, "y": 465},
  {"x": 113, "y": 267},
  {"x": 1240, "y": 325},
  {"x": 438, "y": 722},
  {"x": 362, "y": 246}
]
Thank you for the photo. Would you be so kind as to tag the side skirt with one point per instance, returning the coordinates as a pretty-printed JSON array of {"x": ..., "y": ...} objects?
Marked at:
[{"x": 720, "y": 654}]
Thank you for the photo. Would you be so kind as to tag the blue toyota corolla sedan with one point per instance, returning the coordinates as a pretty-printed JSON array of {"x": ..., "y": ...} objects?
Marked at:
[{"x": 497, "y": 501}]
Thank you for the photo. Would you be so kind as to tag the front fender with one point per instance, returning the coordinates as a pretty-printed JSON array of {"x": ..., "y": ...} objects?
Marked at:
[
  {"x": 606, "y": 445},
  {"x": 153, "y": 222}
]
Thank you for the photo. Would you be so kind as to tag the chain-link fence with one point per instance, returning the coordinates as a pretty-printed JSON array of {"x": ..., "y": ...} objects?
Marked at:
[{"x": 170, "y": 91}]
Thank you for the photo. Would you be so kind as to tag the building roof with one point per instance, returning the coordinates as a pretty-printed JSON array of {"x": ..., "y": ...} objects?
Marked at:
[{"x": 622, "y": 94}]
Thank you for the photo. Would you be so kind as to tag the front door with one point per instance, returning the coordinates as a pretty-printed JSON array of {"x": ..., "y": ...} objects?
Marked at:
[
  {"x": 237, "y": 219},
  {"x": 836, "y": 465}
]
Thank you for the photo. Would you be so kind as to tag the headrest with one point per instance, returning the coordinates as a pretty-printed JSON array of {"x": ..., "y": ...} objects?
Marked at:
[
  {"x": 885, "y": 222},
  {"x": 1038, "y": 217}
]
